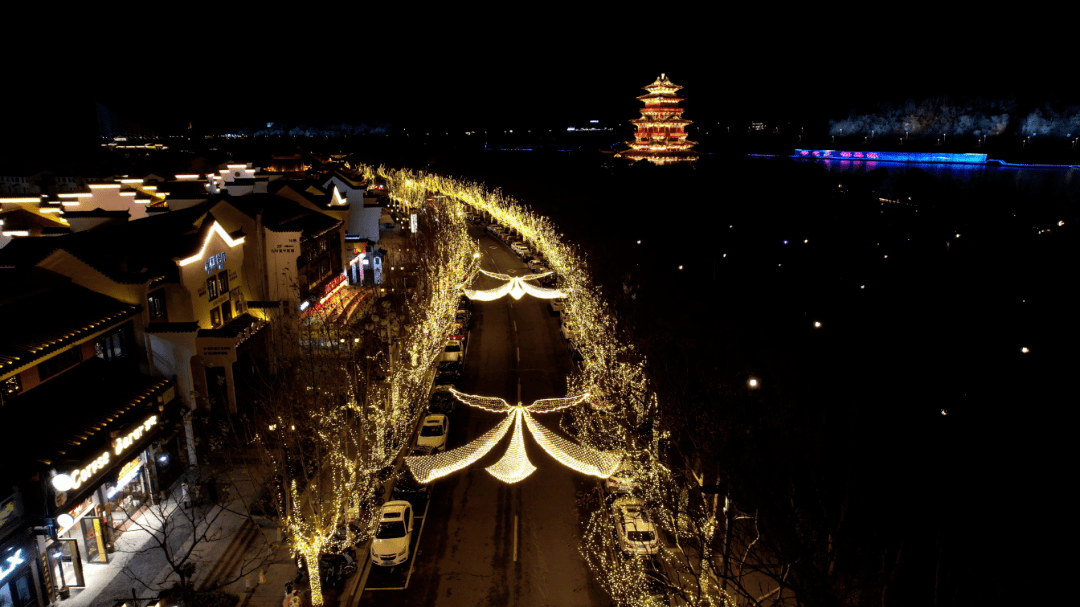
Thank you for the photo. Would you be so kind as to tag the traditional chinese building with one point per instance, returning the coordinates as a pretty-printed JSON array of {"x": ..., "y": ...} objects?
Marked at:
[{"x": 660, "y": 136}]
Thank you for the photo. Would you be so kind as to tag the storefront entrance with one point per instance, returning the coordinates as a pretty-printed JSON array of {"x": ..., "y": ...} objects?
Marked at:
[
  {"x": 94, "y": 540},
  {"x": 66, "y": 564}
]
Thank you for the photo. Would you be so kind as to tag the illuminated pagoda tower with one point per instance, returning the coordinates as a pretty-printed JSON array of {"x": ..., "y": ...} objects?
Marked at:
[{"x": 661, "y": 136}]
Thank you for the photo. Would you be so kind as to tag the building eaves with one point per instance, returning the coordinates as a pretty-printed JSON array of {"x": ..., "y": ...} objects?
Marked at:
[
  {"x": 77, "y": 407},
  {"x": 52, "y": 320}
]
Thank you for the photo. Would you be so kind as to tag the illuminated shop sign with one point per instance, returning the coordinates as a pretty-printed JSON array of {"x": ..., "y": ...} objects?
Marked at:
[
  {"x": 128, "y": 472},
  {"x": 13, "y": 562},
  {"x": 76, "y": 478},
  {"x": 214, "y": 263},
  {"x": 333, "y": 284}
]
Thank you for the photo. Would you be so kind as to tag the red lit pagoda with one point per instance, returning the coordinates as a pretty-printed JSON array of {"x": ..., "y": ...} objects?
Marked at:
[{"x": 660, "y": 136}]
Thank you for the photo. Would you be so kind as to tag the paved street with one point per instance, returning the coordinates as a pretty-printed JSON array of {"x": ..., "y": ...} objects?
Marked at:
[{"x": 484, "y": 542}]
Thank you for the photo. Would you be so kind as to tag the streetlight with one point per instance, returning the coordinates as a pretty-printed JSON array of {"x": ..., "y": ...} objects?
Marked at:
[{"x": 753, "y": 383}]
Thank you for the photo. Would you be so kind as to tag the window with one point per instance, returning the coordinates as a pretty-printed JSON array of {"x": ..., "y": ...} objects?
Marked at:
[
  {"x": 112, "y": 346},
  {"x": 215, "y": 317},
  {"x": 223, "y": 282},
  {"x": 238, "y": 298},
  {"x": 63, "y": 360},
  {"x": 226, "y": 312},
  {"x": 155, "y": 302},
  {"x": 10, "y": 388},
  {"x": 211, "y": 287}
]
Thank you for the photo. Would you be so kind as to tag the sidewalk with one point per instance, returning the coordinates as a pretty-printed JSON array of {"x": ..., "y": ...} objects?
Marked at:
[{"x": 139, "y": 561}]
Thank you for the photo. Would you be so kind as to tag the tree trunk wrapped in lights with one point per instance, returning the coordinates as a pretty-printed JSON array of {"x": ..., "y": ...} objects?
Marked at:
[{"x": 326, "y": 428}]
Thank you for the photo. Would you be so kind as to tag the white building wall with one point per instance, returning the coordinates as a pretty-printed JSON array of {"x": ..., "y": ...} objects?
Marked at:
[
  {"x": 170, "y": 355},
  {"x": 194, "y": 277},
  {"x": 282, "y": 250}
]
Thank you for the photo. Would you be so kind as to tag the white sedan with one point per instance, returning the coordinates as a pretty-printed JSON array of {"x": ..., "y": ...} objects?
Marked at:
[
  {"x": 433, "y": 432},
  {"x": 637, "y": 534},
  {"x": 391, "y": 544}
]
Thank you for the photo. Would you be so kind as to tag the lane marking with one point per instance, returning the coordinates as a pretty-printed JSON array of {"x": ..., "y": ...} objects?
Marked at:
[
  {"x": 517, "y": 354},
  {"x": 515, "y": 325},
  {"x": 515, "y": 537}
]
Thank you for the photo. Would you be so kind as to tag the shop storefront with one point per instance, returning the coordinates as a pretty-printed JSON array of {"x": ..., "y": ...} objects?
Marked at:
[
  {"x": 101, "y": 500},
  {"x": 17, "y": 587}
]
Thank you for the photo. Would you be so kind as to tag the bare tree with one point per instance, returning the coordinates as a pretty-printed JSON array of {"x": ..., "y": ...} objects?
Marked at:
[{"x": 182, "y": 533}]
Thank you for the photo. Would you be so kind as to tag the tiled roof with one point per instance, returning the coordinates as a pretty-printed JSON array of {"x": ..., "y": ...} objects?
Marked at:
[
  {"x": 65, "y": 417},
  {"x": 131, "y": 252},
  {"x": 49, "y": 314}
]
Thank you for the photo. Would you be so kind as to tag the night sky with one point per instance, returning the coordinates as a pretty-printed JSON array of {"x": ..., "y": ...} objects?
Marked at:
[{"x": 547, "y": 68}]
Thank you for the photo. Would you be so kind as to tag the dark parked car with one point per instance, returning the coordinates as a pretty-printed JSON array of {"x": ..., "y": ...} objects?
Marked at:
[
  {"x": 449, "y": 373},
  {"x": 406, "y": 487},
  {"x": 442, "y": 401}
]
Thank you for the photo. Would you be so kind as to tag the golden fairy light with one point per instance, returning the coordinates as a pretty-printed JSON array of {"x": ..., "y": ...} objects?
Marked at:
[
  {"x": 515, "y": 466},
  {"x": 516, "y": 287},
  {"x": 619, "y": 401}
]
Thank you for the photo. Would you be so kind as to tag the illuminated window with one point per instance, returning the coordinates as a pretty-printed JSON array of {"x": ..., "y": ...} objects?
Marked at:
[
  {"x": 112, "y": 346},
  {"x": 215, "y": 317},
  {"x": 223, "y": 282},
  {"x": 226, "y": 312},
  {"x": 211, "y": 287},
  {"x": 155, "y": 302}
]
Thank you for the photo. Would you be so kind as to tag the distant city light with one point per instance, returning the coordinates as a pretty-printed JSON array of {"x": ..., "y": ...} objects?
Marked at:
[
  {"x": 680, "y": 267},
  {"x": 944, "y": 412},
  {"x": 817, "y": 324},
  {"x": 1025, "y": 350},
  {"x": 753, "y": 383}
]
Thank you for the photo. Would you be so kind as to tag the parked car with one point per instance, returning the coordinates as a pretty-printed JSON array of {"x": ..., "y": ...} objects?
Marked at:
[
  {"x": 392, "y": 538},
  {"x": 442, "y": 401},
  {"x": 406, "y": 487},
  {"x": 433, "y": 432},
  {"x": 449, "y": 373},
  {"x": 464, "y": 317},
  {"x": 454, "y": 350},
  {"x": 634, "y": 527},
  {"x": 622, "y": 479},
  {"x": 567, "y": 330}
]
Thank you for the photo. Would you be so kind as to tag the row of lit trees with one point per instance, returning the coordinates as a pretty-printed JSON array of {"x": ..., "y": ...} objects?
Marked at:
[
  {"x": 342, "y": 407},
  {"x": 717, "y": 555}
]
